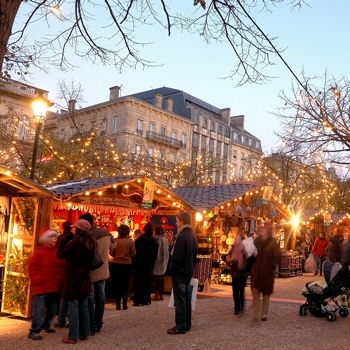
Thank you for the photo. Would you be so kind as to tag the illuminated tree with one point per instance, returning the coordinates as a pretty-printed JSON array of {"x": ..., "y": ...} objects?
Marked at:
[
  {"x": 117, "y": 40},
  {"x": 297, "y": 184}
]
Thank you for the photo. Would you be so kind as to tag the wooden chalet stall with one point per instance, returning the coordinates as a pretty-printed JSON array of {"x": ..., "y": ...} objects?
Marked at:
[
  {"x": 220, "y": 211},
  {"x": 130, "y": 200},
  {"x": 25, "y": 209}
]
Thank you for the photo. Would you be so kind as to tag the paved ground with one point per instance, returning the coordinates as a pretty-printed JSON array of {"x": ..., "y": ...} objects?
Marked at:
[{"x": 214, "y": 326}]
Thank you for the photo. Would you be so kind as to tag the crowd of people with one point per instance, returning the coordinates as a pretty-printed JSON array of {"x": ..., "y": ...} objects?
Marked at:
[{"x": 63, "y": 284}]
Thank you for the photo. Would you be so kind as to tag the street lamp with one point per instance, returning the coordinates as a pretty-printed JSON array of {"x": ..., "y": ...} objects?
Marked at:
[{"x": 40, "y": 106}]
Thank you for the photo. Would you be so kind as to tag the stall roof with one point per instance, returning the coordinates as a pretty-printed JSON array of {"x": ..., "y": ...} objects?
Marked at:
[
  {"x": 206, "y": 197},
  {"x": 13, "y": 185},
  {"x": 309, "y": 214},
  {"x": 112, "y": 185}
]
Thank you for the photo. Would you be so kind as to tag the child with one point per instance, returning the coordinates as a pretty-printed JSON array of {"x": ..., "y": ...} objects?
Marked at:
[{"x": 46, "y": 275}]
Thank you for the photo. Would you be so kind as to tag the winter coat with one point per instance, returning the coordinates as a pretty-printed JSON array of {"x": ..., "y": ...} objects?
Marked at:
[
  {"x": 146, "y": 252},
  {"x": 45, "y": 271},
  {"x": 123, "y": 251},
  {"x": 76, "y": 282},
  {"x": 161, "y": 263},
  {"x": 105, "y": 243},
  {"x": 184, "y": 254},
  {"x": 319, "y": 247},
  {"x": 263, "y": 269}
]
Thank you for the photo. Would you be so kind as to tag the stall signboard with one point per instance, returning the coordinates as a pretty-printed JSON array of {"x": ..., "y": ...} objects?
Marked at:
[{"x": 148, "y": 193}]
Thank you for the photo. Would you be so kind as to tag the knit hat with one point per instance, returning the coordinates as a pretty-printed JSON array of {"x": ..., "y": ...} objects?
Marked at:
[
  {"x": 47, "y": 235},
  {"x": 88, "y": 217},
  {"x": 82, "y": 224}
]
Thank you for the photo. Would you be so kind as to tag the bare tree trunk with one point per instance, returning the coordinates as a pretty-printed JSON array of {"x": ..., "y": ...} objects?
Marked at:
[{"x": 8, "y": 12}]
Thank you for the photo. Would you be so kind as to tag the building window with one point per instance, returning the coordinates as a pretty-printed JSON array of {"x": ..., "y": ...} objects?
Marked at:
[
  {"x": 205, "y": 124},
  {"x": 183, "y": 140},
  {"x": 218, "y": 148},
  {"x": 204, "y": 143},
  {"x": 151, "y": 129},
  {"x": 103, "y": 127},
  {"x": 171, "y": 157},
  {"x": 211, "y": 145},
  {"x": 115, "y": 124},
  {"x": 162, "y": 130},
  {"x": 173, "y": 136},
  {"x": 137, "y": 150},
  {"x": 150, "y": 154},
  {"x": 212, "y": 126},
  {"x": 139, "y": 127},
  {"x": 195, "y": 140},
  {"x": 220, "y": 129},
  {"x": 234, "y": 154},
  {"x": 23, "y": 129}
]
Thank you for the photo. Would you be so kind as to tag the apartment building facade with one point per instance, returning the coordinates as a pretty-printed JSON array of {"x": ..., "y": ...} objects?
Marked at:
[{"x": 214, "y": 130}]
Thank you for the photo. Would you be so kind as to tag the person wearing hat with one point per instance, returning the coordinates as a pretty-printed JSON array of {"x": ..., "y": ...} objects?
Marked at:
[
  {"x": 78, "y": 252},
  {"x": 46, "y": 276},
  {"x": 96, "y": 301}
]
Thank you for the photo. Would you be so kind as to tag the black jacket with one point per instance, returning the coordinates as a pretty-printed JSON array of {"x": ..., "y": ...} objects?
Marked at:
[{"x": 184, "y": 254}]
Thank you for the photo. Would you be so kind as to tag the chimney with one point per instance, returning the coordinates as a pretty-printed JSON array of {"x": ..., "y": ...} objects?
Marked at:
[
  {"x": 158, "y": 100},
  {"x": 114, "y": 93},
  {"x": 169, "y": 104},
  {"x": 71, "y": 105}
]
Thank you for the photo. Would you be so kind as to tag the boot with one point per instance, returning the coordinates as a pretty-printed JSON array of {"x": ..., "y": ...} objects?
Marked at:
[
  {"x": 117, "y": 304},
  {"x": 125, "y": 303}
]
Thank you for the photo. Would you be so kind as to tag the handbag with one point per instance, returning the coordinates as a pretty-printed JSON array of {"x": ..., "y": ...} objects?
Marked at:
[{"x": 96, "y": 261}]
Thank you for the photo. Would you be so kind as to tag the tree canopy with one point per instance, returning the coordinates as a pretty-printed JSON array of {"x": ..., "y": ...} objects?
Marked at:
[{"x": 112, "y": 31}]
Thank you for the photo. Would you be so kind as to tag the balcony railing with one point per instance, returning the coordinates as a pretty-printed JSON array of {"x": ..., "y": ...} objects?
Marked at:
[{"x": 151, "y": 135}]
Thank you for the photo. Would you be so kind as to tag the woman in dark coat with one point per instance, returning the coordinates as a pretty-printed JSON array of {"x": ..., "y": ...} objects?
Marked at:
[
  {"x": 263, "y": 270},
  {"x": 78, "y": 252},
  {"x": 146, "y": 254}
]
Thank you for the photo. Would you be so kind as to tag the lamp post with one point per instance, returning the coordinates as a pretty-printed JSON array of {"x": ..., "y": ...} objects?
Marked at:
[{"x": 39, "y": 106}]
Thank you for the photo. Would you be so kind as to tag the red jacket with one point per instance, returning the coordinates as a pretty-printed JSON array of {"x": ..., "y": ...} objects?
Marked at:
[
  {"x": 45, "y": 271},
  {"x": 319, "y": 247}
]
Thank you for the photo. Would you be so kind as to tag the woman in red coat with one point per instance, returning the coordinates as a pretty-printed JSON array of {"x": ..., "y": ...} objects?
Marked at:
[
  {"x": 319, "y": 250},
  {"x": 46, "y": 275},
  {"x": 263, "y": 270}
]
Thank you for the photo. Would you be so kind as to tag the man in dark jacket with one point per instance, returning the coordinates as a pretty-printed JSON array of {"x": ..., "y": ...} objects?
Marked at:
[
  {"x": 184, "y": 255},
  {"x": 96, "y": 301}
]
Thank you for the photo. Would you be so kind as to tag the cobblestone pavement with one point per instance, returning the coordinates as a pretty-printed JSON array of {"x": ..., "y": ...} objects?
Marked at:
[{"x": 214, "y": 326}]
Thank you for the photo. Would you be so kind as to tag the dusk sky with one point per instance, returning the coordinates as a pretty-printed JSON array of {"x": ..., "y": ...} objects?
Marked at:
[{"x": 316, "y": 39}]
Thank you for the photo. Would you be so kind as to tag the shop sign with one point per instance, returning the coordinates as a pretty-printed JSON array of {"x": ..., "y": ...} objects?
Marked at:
[
  {"x": 267, "y": 193},
  {"x": 148, "y": 193},
  {"x": 111, "y": 201}
]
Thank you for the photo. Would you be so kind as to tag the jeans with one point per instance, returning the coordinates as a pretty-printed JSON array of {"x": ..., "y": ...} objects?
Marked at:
[
  {"x": 319, "y": 260},
  {"x": 45, "y": 307},
  {"x": 78, "y": 317},
  {"x": 182, "y": 302},
  {"x": 96, "y": 304},
  {"x": 62, "y": 314}
]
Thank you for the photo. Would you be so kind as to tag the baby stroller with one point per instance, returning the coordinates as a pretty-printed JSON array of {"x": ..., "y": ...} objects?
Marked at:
[{"x": 321, "y": 297}]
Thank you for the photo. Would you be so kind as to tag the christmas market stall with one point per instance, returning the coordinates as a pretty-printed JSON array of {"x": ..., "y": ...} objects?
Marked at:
[
  {"x": 221, "y": 211},
  {"x": 130, "y": 200},
  {"x": 25, "y": 209}
]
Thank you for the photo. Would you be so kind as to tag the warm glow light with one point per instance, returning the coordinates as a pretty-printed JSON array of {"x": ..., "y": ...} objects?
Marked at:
[
  {"x": 199, "y": 217},
  {"x": 39, "y": 106},
  {"x": 295, "y": 220}
]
